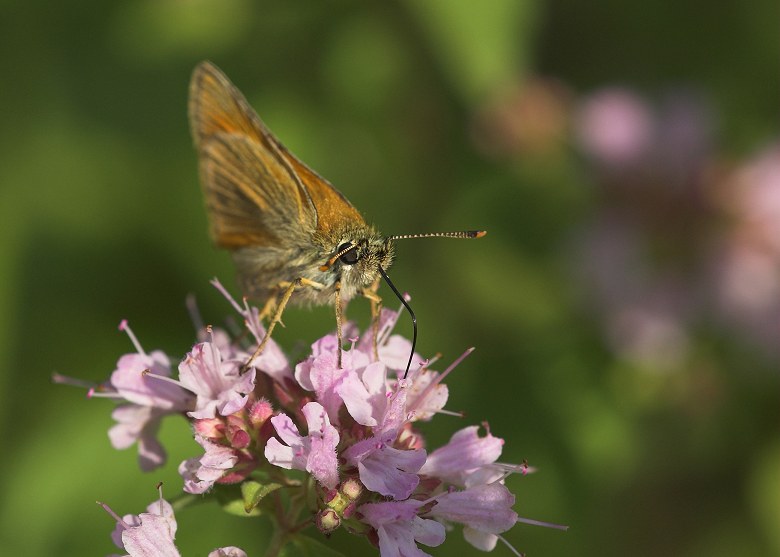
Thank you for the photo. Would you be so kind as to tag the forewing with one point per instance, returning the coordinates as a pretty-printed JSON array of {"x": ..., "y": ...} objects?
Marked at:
[
  {"x": 253, "y": 194},
  {"x": 332, "y": 206},
  {"x": 247, "y": 196}
]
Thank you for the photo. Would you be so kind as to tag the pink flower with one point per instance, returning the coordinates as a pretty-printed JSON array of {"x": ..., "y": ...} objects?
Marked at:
[
  {"x": 427, "y": 394},
  {"x": 364, "y": 393},
  {"x": 229, "y": 551},
  {"x": 398, "y": 528},
  {"x": 133, "y": 379},
  {"x": 150, "y": 400},
  {"x": 148, "y": 534},
  {"x": 200, "y": 473},
  {"x": 466, "y": 453},
  {"x": 320, "y": 373},
  {"x": 272, "y": 360},
  {"x": 360, "y": 419},
  {"x": 139, "y": 424},
  {"x": 151, "y": 534},
  {"x": 757, "y": 202},
  {"x": 484, "y": 510},
  {"x": 615, "y": 127},
  {"x": 315, "y": 453},
  {"x": 219, "y": 386},
  {"x": 383, "y": 468},
  {"x": 393, "y": 349}
]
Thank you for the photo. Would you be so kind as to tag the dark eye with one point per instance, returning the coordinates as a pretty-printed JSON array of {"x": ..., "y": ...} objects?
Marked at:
[{"x": 350, "y": 257}]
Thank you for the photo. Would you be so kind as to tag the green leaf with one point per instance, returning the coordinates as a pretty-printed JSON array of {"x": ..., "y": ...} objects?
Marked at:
[
  {"x": 231, "y": 500},
  {"x": 253, "y": 492},
  {"x": 304, "y": 546}
]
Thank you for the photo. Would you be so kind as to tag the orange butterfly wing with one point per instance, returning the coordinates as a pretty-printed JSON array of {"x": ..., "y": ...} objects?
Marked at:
[
  {"x": 257, "y": 192},
  {"x": 332, "y": 206}
]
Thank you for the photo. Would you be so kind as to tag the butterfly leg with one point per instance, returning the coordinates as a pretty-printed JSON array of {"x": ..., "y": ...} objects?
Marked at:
[
  {"x": 376, "y": 311},
  {"x": 289, "y": 288},
  {"x": 339, "y": 319},
  {"x": 270, "y": 306}
]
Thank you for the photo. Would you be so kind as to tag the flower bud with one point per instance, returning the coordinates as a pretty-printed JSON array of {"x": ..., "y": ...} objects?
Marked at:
[
  {"x": 327, "y": 521},
  {"x": 260, "y": 412},
  {"x": 351, "y": 488},
  {"x": 210, "y": 428}
]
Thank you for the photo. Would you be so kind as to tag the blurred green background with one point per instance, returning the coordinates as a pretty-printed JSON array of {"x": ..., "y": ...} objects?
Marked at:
[{"x": 625, "y": 305}]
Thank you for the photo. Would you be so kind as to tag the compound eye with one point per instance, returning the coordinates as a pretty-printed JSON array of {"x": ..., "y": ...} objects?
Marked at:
[{"x": 350, "y": 257}]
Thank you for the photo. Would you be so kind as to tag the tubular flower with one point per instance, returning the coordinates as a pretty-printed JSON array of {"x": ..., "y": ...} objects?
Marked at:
[{"x": 348, "y": 430}]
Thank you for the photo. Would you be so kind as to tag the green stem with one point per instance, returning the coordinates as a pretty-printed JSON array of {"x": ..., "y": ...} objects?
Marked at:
[
  {"x": 286, "y": 525},
  {"x": 278, "y": 540}
]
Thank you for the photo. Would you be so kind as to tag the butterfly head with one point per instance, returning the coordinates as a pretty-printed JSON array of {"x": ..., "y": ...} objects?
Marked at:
[{"x": 357, "y": 258}]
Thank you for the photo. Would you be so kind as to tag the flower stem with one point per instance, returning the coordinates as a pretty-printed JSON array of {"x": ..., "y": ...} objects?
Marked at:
[{"x": 278, "y": 540}]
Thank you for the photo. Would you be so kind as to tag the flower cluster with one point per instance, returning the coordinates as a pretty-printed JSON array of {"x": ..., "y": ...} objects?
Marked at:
[{"x": 350, "y": 430}]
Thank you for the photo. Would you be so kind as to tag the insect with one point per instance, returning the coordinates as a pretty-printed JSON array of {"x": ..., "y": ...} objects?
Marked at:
[{"x": 293, "y": 236}]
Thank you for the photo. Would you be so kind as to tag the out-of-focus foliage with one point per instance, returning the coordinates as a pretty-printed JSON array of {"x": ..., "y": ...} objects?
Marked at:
[{"x": 625, "y": 304}]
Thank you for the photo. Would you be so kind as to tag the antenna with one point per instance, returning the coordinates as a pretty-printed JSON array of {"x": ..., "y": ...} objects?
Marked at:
[
  {"x": 465, "y": 234},
  {"x": 411, "y": 313}
]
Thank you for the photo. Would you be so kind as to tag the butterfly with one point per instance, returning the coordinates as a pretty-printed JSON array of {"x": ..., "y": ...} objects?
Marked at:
[{"x": 293, "y": 237}]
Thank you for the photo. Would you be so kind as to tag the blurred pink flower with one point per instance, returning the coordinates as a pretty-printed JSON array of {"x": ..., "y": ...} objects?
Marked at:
[
  {"x": 615, "y": 127},
  {"x": 748, "y": 266}
]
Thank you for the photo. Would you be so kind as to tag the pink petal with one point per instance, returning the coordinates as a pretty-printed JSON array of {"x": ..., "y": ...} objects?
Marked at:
[
  {"x": 425, "y": 403},
  {"x": 282, "y": 455},
  {"x": 466, "y": 451},
  {"x": 151, "y": 454},
  {"x": 216, "y": 382},
  {"x": 395, "y": 415},
  {"x": 397, "y": 539},
  {"x": 315, "y": 453},
  {"x": 391, "y": 472},
  {"x": 134, "y": 386},
  {"x": 429, "y": 532},
  {"x": 286, "y": 429},
  {"x": 377, "y": 514},
  {"x": 138, "y": 424},
  {"x": 487, "y": 508},
  {"x": 356, "y": 398},
  {"x": 273, "y": 363},
  {"x": 229, "y": 551},
  {"x": 395, "y": 354},
  {"x": 325, "y": 377},
  {"x": 480, "y": 540},
  {"x": 398, "y": 526},
  {"x": 152, "y": 539},
  {"x": 200, "y": 473},
  {"x": 322, "y": 462}
]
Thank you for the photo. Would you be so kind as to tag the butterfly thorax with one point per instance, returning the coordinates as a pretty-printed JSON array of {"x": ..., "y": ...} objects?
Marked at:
[{"x": 263, "y": 270}]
